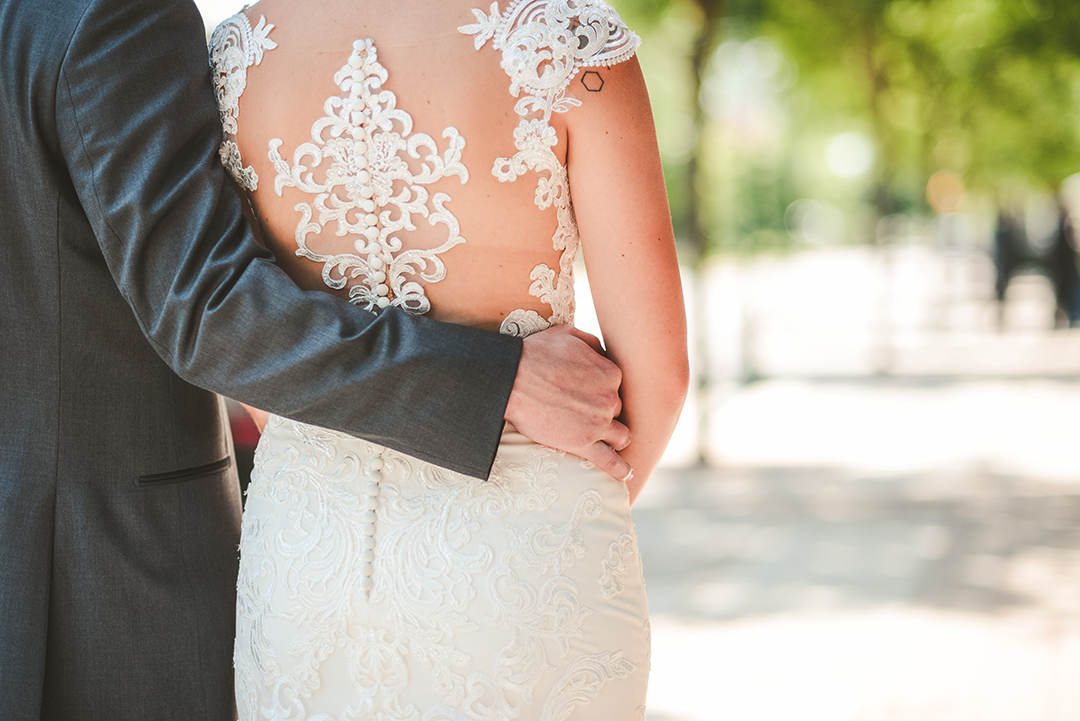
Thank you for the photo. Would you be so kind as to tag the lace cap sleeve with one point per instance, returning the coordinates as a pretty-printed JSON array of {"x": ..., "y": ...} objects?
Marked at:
[
  {"x": 545, "y": 43},
  {"x": 603, "y": 38},
  {"x": 234, "y": 47}
]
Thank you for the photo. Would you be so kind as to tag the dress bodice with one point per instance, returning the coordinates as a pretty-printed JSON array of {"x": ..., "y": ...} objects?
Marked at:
[{"x": 375, "y": 200}]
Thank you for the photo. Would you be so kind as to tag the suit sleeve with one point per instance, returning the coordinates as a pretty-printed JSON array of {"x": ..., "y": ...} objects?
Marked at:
[{"x": 139, "y": 132}]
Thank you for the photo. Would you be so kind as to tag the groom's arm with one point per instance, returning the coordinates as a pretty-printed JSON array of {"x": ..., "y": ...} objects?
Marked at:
[{"x": 139, "y": 133}]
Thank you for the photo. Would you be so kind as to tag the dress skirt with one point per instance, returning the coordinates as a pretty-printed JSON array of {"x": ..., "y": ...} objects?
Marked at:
[{"x": 377, "y": 586}]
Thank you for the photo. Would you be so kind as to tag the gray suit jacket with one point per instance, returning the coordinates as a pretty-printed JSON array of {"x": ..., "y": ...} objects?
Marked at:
[{"x": 127, "y": 278}]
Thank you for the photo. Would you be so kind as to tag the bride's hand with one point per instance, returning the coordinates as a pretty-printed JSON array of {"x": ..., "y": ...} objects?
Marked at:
[{"x": 566, "y": 395}]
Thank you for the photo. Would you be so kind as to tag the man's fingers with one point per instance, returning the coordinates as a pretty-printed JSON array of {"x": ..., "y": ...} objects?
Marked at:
[
  {"x": 567, "y": 396},
  {"x": 609, "y": 372},
  {"x": 588, "y": 338},
  {"x": 617, "y": 436},
  {"x": 607, "y": 460}
]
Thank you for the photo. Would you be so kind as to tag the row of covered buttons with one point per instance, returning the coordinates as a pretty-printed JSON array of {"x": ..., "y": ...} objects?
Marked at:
[
  {"x": 358, "y": 102},
  {"x": 374, "y": 473}
]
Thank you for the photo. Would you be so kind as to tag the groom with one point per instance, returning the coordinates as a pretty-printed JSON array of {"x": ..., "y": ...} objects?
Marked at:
[{"x": 127, "y": 278}]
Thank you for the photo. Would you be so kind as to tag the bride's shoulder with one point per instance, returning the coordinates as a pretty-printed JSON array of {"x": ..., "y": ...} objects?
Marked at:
[{"x": 591, "y": 32}]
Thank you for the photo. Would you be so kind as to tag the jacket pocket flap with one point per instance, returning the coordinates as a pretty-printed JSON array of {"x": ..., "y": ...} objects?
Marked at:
[{"x": 160, "y": 479}]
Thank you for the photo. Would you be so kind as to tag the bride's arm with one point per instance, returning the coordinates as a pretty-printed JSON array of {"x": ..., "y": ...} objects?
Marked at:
[
  {"x": 259, "y": 417},
  {"x": 621, "y": 206}
]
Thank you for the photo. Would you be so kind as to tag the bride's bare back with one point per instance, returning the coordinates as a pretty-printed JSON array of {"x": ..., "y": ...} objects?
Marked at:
[
  {"x": 429, "y": 189},
  {"x": 421, "y": 154}
]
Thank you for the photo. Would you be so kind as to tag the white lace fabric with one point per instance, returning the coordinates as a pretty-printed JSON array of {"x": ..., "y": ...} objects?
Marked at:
[
  {"x": 544, "y": 44},
  {"x": 368, "y": 191},
  {"x": 234, "y": 47},
  {"x": 518, "y": 597},
  {"x": 355, "y": 169},
  {"x": 374, "y": 586}
]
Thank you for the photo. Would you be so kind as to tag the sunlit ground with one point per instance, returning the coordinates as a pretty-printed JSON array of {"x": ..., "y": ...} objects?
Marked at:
[
  {"x": 874, "y": 665},
  {"x": 890, "y": 527}
]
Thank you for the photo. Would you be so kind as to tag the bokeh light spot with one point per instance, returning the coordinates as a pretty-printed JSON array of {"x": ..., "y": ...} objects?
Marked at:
[
  {"x": 849, "y": 154},
  {"x": 945, "y": 191},
  {"x": 815, "y": 222}
]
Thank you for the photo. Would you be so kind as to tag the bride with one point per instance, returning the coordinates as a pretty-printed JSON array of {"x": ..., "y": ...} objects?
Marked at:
[{"x": 451, "y": 161}]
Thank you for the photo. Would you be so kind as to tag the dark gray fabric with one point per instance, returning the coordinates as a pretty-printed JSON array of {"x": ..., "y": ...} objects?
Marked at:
[{"x": 117, "y": 227}]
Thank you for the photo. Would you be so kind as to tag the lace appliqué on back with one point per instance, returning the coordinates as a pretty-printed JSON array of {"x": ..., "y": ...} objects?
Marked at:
[
  {"x": 544, "y": 44},
  {"x": 481, "y": 600},
  {"x": 234, "y": 47},
  {"x": 363, "y": 135}
]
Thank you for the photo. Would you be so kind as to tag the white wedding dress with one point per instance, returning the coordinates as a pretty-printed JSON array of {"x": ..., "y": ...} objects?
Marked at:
[{"x": 377, "y": 586}]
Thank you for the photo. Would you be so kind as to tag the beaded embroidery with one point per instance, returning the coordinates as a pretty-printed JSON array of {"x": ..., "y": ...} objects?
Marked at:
[
  {"x": 544, "y": 44},
  {"x": 363, "y": 134}
]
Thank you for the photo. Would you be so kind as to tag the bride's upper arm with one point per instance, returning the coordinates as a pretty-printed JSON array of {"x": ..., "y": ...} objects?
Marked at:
[{"x": 620, "y": 202}]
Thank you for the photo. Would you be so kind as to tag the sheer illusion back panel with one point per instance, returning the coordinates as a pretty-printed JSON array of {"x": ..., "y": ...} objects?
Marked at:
[{"x": 441, "y": 81}]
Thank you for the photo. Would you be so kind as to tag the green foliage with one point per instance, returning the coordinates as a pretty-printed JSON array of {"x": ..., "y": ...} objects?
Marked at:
[
  {"x": 985, "y": 88},
  {"x": 988, "y": 89}
]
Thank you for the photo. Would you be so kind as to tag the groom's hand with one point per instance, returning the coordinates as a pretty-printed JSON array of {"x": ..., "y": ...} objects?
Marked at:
[{"x": 566, "y": 395}]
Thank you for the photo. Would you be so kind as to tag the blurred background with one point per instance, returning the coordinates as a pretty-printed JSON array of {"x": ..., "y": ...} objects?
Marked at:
[{"x": 871, "y": 508}]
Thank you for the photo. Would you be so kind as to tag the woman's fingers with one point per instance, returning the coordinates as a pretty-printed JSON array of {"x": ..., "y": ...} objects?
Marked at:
[{"x": 605, "y": 458}]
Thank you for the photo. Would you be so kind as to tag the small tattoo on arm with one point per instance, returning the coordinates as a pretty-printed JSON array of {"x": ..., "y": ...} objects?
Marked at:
[{"x": 592, "y": 81}]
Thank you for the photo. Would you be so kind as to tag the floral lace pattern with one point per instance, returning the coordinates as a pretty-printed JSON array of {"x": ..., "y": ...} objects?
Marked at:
[
  {"x": 368, "y": 190},
  {"x": 615, "y": 565},
  {"x": 234, "y": 47},
  {"x": 485, "y": 604},
  {"x": 544, "y": 44}
]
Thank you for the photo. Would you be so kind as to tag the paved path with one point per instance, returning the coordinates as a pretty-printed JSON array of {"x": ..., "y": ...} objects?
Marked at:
[
  {"x": 871, "y": 550},
  {"x": 890, "y": 528}
]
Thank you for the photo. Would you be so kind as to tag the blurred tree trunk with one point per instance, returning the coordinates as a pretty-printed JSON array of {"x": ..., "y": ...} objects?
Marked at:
[
  {"x": 693, "y": 223},
  {"x": 878, "y": 85},
  {"x": 701, "y": 54}
]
